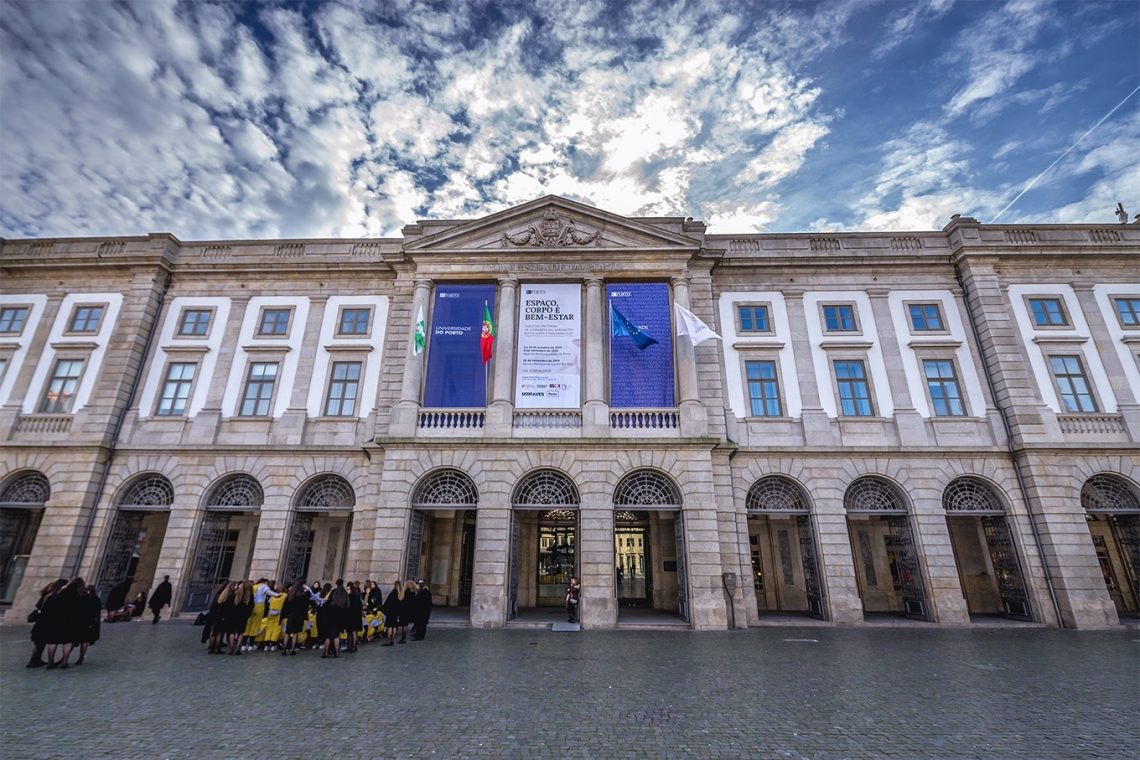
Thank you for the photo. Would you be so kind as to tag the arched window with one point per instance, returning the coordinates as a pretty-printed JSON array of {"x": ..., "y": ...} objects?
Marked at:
[
  {"x": 775, "y": 493},
  {"x": 870, "y": 494},
  {"x": 1108, "y": 493},
  {"x": 28, "y": 487},
  {"x": 971, "y": 495},
  {"x": 445, "y": 488},
  {"x": 236, "y": 491},
  {"x": 645, "y": 488},
  {"x": 545, "y": 489},
  {"x": 326, "y": 492},
  {"x": 148, "y": 492}
]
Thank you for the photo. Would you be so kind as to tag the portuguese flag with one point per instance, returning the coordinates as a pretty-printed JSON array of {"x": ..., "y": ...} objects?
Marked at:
[{"x": 487, "y": 336}]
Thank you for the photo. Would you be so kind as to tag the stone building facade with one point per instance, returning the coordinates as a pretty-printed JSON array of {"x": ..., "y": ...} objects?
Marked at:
[{"x": 942, "y": 425}]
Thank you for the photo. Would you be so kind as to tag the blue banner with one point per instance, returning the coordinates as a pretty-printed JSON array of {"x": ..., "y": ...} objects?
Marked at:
[
  {"x": 456, "y": 375},
  {"x": 640, "y": 377}
]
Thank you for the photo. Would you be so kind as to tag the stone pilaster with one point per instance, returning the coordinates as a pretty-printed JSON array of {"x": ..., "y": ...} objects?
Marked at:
[
  {"x": 404, "y": 415},
  {"x": 595, "y": 412},
  {"x": 500, "y": 415}
]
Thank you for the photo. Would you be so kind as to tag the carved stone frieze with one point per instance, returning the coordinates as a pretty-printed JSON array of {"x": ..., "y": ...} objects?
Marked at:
[{"x": 551, "y": 232}]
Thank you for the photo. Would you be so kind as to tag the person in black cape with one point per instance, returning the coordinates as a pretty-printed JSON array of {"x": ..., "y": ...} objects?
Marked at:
[
  {"x": 354, "y": 621},
  {"x": 423, "y": 611},
  {"x": 161, "y": 597},
  {"x": 392, "y": 608},
  {"x": 64, "y": 613},
  {"x": 331, "y": 619},
  {"x": 41, "y": 624},
  {"x": 117, "y": 598},
  {"x": 90, "y": 614}
]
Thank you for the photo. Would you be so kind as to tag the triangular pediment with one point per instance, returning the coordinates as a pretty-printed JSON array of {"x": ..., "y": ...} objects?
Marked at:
[{"x": 550, "y": 223}]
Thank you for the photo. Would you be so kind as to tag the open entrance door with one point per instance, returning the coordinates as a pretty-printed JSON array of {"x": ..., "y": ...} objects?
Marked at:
[{"x": 441, "y": 549}]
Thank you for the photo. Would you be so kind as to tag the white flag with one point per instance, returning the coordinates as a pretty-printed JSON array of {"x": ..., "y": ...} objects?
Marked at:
[
  {"x": 419, "y": 340},
  {"x": 690, "y": 324}
]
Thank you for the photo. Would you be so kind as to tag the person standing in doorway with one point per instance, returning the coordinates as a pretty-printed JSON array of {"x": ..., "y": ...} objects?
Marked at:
[
  {"x": 160, "y": 598},
  {"x": 573, "y": 596}
]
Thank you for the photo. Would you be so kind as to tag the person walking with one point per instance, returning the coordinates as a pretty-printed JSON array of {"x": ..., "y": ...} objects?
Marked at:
[
  {"x": 423, "y": 611},
  {"x": 161, "y": 597},
  {"x": 41, "y": 623},
  {"x": 64, "y": 611}
]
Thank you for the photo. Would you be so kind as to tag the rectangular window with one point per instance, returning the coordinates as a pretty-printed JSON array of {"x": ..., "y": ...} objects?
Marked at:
[
  {"x": 259, "y": 390},
  {"x": 274, "y": 322},
  {"x": 926, "y": 317},
  {"x": 61, "y": 389},
  {"x": 86, "y": 319},
  {"x": 343, "y": 388},
  {"x": 12, "y": 319},
  {"x": 945, "y": 395},
  {"x": 763, "y": 388},
  {"x": 854, "y": 392},
  {"x": 176, "y": 389},
  {"x": 354, "y": 321},
  {"x": 839, "y": 318},
  {"x": 195, "y": 322},
  {"x": 753, "y": 319},
  {"x": 1128, "y": 309},
  {"x": 1072, "y": 383},
  {"x": 1048, "y": 312}
]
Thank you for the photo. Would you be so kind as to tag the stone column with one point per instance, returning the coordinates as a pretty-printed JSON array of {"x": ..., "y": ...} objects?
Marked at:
[
  {"x": 596, "y": 560},
  {"x": 946, "y": 601},
  {"x": 500, "y": 414},
  {"x": 911, "y": 428},
  {"x": 694, "y": 421},
  {"x": 836, "y": 562},
  {"x": 819, "y": 429},
  {"x": 595, "y": 413},
  {"x": 492, "y": 559},
  {"x": 404, "y": 415},
  {"x": 272, "y": 532}
]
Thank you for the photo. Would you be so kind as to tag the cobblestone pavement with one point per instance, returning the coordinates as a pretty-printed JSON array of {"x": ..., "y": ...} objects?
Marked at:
[{"x": 153, "y": 692}]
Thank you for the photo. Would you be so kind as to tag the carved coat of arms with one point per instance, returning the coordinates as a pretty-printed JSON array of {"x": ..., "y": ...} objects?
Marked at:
[{"x": 551, "y": 232}]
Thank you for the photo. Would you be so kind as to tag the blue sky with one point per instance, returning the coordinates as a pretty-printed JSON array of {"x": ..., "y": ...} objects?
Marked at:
[{"x": 321, "y": 119}]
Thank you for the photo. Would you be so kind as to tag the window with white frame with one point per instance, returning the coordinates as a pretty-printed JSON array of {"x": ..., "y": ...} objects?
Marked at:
[
  {"x": 1127, "y": 310},
  {"x": 60, "y": 393},
  {"x": 195, "y": 323},
  {"x": 354, "y": 321},
  {"x": 12, "y": 319},
  {"x": 763, "y": 388},
  {"x": 944, "y": 388},
  {"x": 176, "y": 389},
  {"x": 86, "y": 319},
  {"x": 258, "y": 396},
  {"x": 344, "y": 388},
  {"x": 274, "y": 321},
  {"x": 926, "y": 317},
  {"x": 753, "y": 318},
  {"x": 839, "y": 317},
  {"x": 1048, "y": 312},
  {"x": 1072, "y": 384},
  {"x": 853, "y": 388}
]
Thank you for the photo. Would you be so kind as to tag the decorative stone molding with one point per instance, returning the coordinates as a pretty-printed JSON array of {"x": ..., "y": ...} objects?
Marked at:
[{"x": 551, "y": 232}]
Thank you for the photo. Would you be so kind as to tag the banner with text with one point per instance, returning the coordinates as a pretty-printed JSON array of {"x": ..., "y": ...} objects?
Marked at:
[
  {"x": 456, "y": 375},
  {"x": 640, "y": 378},
  {"x": 549, "y": 369}
]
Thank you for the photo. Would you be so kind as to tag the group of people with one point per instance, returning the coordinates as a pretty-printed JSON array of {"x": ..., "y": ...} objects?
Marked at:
[
  {"x": 120, "y": 610},
  {"x": 66, "y": 616},
  {"x": 247, "y": 616}
]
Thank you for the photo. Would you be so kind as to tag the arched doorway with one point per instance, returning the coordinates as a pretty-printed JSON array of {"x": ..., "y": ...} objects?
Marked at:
[
  {"x": 882, "y": 545},
  {"x": 225, "y": 538},
  {"x": 22, "y": 501},
  {"x": 441, "y": 536},
  {"x": 649, "y": 544},
  {"x": 1113, "y": 512},
  {"x": 984, "y": 550},
  {"x": 544, "y": 540},
  {"x": 317, "y": 544},
  {"x": 785, "y": 569},
  {"x": 137, "y": 531}
]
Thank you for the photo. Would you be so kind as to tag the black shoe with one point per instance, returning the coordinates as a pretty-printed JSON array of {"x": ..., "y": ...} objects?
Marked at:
[
  {"x": 52, "y": 666},
  {"x": 36, "y": 664}
]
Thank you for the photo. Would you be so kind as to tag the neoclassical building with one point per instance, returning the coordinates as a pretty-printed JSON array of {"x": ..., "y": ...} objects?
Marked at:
[{"x": 939, "y": 425}]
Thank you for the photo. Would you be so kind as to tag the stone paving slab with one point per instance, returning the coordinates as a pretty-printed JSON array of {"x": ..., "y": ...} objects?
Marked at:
[{"x": 153, "y": 692}]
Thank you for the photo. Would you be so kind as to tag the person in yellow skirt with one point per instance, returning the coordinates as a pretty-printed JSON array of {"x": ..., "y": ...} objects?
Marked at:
[
  {"x": 262, "y": 592},
  {"x": 271, "y": 632}
]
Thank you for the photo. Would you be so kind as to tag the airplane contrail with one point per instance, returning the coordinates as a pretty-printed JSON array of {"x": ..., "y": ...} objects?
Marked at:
[{"x": 1033, "y": 181}]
